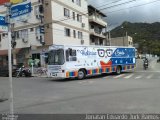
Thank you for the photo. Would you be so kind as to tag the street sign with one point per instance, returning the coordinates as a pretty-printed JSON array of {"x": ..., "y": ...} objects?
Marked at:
[
  {"x": 20, "y": 12},
  {"x": 2, "y": 20},
  {"x": 3, "y": 24}
]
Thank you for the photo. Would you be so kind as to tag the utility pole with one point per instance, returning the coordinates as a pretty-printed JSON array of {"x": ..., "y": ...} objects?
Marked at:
[
  {"x": 8, "y": 5},
  {"x": 109, "y": 35}
]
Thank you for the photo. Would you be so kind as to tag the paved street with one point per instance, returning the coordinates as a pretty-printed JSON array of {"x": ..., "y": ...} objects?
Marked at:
[{"x": 131, "y": 92}]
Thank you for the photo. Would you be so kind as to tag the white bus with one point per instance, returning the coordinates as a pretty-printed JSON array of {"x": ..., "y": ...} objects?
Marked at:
[{"x": 66, "y": 61}]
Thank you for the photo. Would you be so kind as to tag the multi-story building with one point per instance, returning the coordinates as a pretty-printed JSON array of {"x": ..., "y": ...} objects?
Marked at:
[
  {"x": 97, "y": 26},
  {"x": 50, "y": 22},
  {"x": 122, "y": 41}
]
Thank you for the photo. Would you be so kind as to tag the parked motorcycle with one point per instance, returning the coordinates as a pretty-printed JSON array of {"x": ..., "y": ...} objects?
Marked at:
[{"x": 23, "y": 72}]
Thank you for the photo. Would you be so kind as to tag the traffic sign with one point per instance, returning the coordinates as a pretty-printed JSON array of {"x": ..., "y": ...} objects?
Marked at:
[
  {"x": 20, "y": 9},
  {"x": 3, "y": 24},
  {"x": 2, "y": 20}
]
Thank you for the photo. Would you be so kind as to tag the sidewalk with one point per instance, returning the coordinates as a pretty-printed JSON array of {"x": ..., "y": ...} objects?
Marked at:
[
  {"x": 37, "y": 75},
  {"x": 35, "y": 72}
]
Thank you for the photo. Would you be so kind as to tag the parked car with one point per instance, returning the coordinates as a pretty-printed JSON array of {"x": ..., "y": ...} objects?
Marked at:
[{"x": 4, "y": 70}]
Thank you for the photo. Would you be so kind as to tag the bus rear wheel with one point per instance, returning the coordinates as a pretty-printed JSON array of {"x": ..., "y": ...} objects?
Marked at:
[
  {"x": 81, "y": 74},
  {"x": 118, "y": 70}
]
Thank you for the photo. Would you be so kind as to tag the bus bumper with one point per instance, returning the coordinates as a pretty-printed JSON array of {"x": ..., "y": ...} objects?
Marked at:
[{"x": 56, "y": 75}]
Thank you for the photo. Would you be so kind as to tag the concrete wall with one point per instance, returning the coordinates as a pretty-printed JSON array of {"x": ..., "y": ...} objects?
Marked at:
[{"x": 122, "y": 41}]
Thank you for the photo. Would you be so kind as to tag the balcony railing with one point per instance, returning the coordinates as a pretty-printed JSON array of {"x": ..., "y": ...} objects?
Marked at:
[
  {"x": 97, "y": 20},
  {"x": 98, "y": 34}
]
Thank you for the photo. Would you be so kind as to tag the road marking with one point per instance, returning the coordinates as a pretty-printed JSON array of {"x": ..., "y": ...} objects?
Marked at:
[
  {"x": 91, "y": 82},
  {"x": 82, "y": 82},
  {"x": 148, "y": 77},
  {"x": 148, "y": 71},
  {"x": 129, "y": 76},
  {"x": 138, "y": 77},
  {"x": 119, "y": 76},
  {"x": 106, "y": 77},
  {"x": 86, "y": 82}
]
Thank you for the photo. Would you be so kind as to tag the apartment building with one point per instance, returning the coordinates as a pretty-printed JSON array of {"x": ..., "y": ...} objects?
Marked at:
[
  {"x": 51, "y": 22},
  {"x": 69, "y": 20},
  {"x": 97, "y": 26}
]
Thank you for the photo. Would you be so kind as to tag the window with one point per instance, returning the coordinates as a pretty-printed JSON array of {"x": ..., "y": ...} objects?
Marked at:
[
  {"x": 92, "y": 40},
  {"x": 17, "y": 36},
  {"x": 78, "y": 2},
  {"x": 71, "y": 55},
  {"x": 36, "y": 10},
  {"x": 3, "y": 34},
  {"x": 24, "y": 34},
  {"x": 67, "y": 32},
  {"x": 100, "y": 42},
  {"x": 80, "y": 35},
  {"x": 66, "y": 12},
  {"x": 74, "y": 33},
  {"x": 37, "y": 31},
  {"x": 79, "y": 18},
  {"x": 56, "y": 57},
  {"x": 74, "y": 16},
  {"x": 31, "y": 29},
  {"x": 73, "y": 1}
]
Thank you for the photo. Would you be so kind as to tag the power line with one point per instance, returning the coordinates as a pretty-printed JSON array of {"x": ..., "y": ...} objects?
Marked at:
[
  {"x": 96, "y": 8},
  {"x": 104, "y": 3},
  {"x": 133, "y": 6},
  {"x": 118, "y": 4}
]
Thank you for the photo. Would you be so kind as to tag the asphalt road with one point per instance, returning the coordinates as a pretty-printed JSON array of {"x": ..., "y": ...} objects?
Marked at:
[{"x": 131, "y": 92}]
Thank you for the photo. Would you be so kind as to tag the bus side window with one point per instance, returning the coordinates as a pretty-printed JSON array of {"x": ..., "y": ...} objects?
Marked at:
[
  {"x": 67, "y": 55},
  {"x": 71, "y": 55}
]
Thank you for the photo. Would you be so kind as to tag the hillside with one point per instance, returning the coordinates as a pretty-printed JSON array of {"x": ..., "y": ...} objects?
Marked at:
[{"x": 146, "y": 35}]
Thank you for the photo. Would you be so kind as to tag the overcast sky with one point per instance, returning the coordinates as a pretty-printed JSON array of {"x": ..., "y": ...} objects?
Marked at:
[{"x": 118, "y": 11}]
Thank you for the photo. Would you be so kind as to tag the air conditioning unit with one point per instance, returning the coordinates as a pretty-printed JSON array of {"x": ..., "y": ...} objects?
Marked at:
[
  {"x": 82, "y": 42},
  {"x": 38, "y": 16},
  {"x": 38, "y": 38},
  {"x": 83, "y": 25},
  {"x": 25, "y": 40}
]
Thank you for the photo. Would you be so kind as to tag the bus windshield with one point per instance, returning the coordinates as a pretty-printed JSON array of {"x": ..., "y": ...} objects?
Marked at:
[{"x": 56, "y": 57}]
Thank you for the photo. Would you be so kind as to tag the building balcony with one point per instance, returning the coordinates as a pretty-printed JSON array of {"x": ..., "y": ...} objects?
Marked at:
[
  {"x": 97, "y": 34},
  {"x": 97, "y": 20}
]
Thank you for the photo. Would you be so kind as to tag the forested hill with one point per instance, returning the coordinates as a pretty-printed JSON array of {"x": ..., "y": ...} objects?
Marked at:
[{"x": 147, "y": 35}]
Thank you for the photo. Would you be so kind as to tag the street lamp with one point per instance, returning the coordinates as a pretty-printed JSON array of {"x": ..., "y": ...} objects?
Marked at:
[{"x": 123, "y": 34}]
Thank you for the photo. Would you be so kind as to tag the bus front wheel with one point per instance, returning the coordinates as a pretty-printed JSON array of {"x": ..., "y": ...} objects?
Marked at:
[{"x": 81, "y": 74}]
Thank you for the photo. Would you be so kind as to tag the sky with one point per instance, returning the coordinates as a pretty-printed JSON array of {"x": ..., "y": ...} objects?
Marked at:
[{"x": 118, "y": 11}]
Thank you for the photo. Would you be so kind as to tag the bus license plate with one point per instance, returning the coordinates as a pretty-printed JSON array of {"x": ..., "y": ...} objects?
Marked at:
[{"x": 54, "y": 74}]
